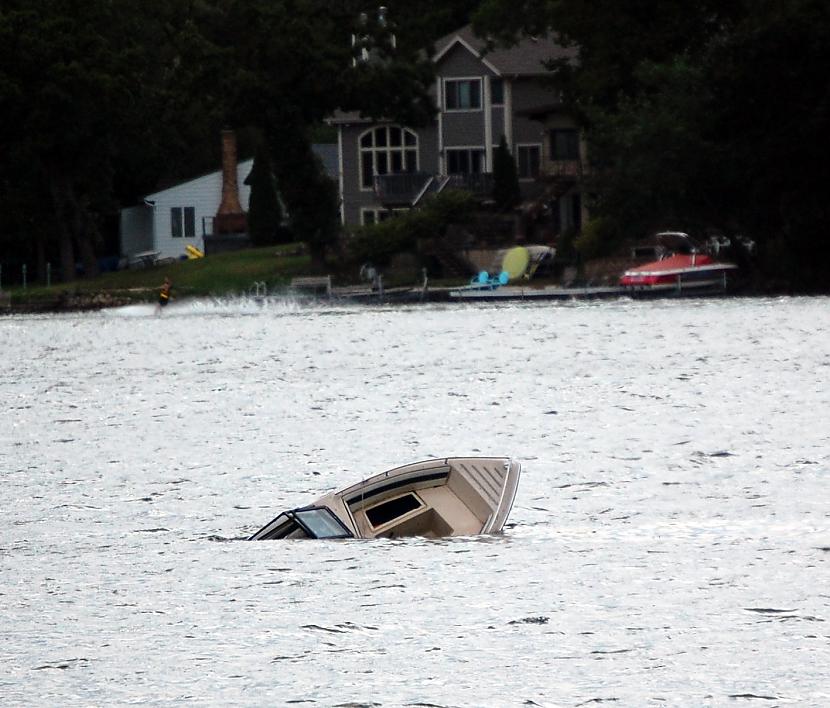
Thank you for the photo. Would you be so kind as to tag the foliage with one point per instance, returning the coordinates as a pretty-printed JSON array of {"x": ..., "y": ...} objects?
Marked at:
[
  {"x": 505, "y": 178},
  {"x": 379, "y": 243},
  {"x": 658, "y": 172},
  {"x": 314, "y": 206},
  {"x": 92, "y": 94},
  {"x": 597, "y": 239},
  {"x": 453, "y": 206}
]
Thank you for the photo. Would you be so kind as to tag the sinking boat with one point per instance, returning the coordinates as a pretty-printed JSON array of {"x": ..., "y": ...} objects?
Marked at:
[
  {"x": 683, "y": 269},
  {"x": 453, "y": 496}
]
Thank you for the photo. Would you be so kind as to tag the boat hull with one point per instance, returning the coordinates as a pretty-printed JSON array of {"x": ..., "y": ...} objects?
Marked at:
[
  {"x": 693, "y": 272},
  {"x": 433, "y": 498}
]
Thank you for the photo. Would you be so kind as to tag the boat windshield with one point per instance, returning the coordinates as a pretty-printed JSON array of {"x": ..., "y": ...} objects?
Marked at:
[
  {"x": 319, "y": 522},
  {"x": 281, "y": 527}
]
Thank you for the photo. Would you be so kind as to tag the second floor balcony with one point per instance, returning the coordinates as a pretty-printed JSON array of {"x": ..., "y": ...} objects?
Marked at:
[
  {"x": 562, "y": 170},
  {"x": 479, "y": 184},
  {"x": 402, "y": 189},
  {"x": 408, "y": 188}
]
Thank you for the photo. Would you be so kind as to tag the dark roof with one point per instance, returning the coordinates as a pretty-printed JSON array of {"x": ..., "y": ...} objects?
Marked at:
[
  {"x": 347, "y": 118},
  {"x": 525, "y": 58},
  {"x": 327, "y": 152}
]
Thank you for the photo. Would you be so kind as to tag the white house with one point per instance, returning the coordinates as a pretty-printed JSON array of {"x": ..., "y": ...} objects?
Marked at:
[
  {"x": 171, "y": 219},
  {"x": 179, "y": 216}
]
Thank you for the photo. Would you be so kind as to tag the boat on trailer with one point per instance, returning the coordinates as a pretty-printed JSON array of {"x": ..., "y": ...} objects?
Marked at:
[{"x": 452, "y": 496}]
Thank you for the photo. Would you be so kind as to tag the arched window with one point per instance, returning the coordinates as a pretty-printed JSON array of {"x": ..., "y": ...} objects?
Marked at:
[{"x": 388, "y": 149}]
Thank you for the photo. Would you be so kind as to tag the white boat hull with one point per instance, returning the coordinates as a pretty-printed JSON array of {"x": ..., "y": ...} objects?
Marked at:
[{"x": 435, "y": 498}]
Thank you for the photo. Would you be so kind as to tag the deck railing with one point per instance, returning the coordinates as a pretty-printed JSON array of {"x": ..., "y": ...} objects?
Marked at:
[
  {"x": 400, "y": 188},
  {"x": 407, "y": 187}
]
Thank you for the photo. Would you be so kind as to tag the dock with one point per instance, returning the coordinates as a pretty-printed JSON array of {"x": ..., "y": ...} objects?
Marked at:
[
  {"x": 549, "y": 292},
  {"x": 314, "y": 284}
]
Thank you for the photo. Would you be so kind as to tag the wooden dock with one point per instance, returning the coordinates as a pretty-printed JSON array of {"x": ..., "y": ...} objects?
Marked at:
[
  {"x": 550, "y": 292},
  {"x": 314, "y": 284}
]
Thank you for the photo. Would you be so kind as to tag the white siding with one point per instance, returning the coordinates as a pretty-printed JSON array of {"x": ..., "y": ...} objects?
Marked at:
[
  {"x": 136, "y": 230},
  {"x": 204, "y": 195}
]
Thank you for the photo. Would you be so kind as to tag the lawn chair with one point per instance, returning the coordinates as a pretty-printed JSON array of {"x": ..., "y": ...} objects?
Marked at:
[{"x": 484, "y": 281}]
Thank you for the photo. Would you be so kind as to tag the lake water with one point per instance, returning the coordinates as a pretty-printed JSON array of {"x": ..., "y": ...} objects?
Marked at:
[{"x": 669, "y": 545}]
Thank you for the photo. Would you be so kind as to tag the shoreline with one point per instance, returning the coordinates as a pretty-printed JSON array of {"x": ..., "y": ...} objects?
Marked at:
[{"x": 362, "y": 295}]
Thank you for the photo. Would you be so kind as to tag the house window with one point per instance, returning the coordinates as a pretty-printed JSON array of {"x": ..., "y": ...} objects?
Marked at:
[
  {"x": 462, "y": 94},
  {"x": 564, "y": 145},
  {"x": 190, "y": 222},
  {"x": 528, "y": 160},
  {"x": 497, "y": 92},
  {"x": 465, "y": 161},
  {"x": 373, "y": 216},
  {"x": 377, "y": 216},
  {"x": 388, "y": 149},
  {"x": 183, "y": 222}
]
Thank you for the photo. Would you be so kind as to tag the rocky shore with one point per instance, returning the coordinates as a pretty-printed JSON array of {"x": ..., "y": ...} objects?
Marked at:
[{"x": 66, "y": 302}]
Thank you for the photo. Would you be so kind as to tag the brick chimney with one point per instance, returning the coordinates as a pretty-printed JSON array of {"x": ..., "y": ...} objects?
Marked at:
[{"x": 230, "y": 219}]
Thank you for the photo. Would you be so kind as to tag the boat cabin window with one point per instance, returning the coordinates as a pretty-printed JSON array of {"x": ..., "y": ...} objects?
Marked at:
[
  {"x": 321, "y": 523},
  {"x": 314, "y": 522},
  {"x": 392, "y": 509}
]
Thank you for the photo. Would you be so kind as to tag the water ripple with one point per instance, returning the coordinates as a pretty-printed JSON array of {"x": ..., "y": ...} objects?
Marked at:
[{"x": 668, "y": 545}]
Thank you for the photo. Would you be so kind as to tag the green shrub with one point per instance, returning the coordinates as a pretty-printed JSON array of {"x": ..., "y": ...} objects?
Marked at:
[
  {"x": 401, "y": 233},
  {"x": 598, "y": 239},
  {"x": 454, "y": 206},
  {"x": 377, "y": 243}
]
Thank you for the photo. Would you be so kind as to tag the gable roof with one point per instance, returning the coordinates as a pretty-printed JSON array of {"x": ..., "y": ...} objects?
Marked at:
[
  {"x": 525, "y": 58},
  {"x": 327, "y": 152},
  {"x": 243, "y": 167}
]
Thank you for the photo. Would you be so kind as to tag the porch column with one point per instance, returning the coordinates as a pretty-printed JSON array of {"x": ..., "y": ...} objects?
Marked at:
[
  {"x": 488, "y": 125},
  {"x": 340, "y": 174},
  {"x": 439, "y": 94}
]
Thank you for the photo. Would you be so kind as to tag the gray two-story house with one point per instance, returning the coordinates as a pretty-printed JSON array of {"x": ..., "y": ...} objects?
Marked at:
[{"x": 481, "y": 96}]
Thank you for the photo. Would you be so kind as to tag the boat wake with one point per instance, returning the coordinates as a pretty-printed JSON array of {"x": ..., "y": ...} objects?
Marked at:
[{"x": 226, "y": 306}]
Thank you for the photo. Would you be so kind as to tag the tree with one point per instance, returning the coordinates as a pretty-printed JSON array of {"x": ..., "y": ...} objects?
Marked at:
[
  {"x": 88, "y": 96},
  {"x": 770, "y": 103},
  {"x": 312, "y": 198},
  {"x": 264, "y": 212},
  {"x": 56, "y": 73},
  {"x": 506, "y": 192}
]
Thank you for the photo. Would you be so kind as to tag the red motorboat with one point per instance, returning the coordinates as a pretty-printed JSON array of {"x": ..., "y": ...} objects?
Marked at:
[{"x": 679, "y": 271}]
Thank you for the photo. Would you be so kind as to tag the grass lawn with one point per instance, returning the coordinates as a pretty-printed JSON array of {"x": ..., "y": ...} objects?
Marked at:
[
  {"x": 223, "y": 273},
  {"x": 233, "y": 273}
]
